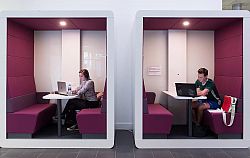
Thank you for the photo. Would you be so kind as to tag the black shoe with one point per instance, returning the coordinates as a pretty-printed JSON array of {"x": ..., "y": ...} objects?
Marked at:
[
  {"x": 73, "y": 128},
  {"x": 199, "y": 131}
]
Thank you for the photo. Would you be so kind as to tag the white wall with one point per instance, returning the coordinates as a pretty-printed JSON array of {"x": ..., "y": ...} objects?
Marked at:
[
  {"x": 200, "y": 53},
  {"x": 93, "y": 45},
  {"x": 155, "y": 54},
  {"x": 124, "y": 15},
  {"x": 48, "y": 59},
  {"x": 177, "y": 57},
  {"x": 57, "y": 57},
  {"x": 70, "y": 57}
]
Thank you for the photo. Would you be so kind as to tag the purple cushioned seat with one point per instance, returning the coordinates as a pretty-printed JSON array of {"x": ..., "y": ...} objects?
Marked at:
[
  {"x": 215, "y": 122},
  {"x": 91, "y": 121},
  {"x": 30, "y": 119},
  {"x": 158, "y": 120}
]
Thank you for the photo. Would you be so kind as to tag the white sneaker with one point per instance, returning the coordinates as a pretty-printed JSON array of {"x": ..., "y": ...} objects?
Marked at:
[{"x": 73, "y": 128}]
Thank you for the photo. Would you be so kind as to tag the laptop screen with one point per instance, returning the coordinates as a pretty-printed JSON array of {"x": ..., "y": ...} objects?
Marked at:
[
  {"x": 186, "y": 89},
  {"x": 61, "y": 87}
]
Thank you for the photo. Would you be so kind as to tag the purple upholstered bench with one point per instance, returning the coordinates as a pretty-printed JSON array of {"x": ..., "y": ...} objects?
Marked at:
[
  {"x": 29, "y": 120},
  {"x": 156, "y": 118},
  {"x": 26, "y": 111},
  {"x": 214, "y": 120},
  {"x": 92, "y": 123}
]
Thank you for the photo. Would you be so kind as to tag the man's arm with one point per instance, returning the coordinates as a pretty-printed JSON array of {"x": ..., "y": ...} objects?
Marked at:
[{"x": 202, "y": 92}]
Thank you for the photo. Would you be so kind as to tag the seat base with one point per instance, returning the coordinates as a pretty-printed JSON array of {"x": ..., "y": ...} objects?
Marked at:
[
  {"x": 158, "y": 120},
  {"x": 30, "y": 119},
  {"x": 91, "y": 121},
  {"x": 155, "y": 136},
  {"x": 19, "y": 135},
  {"x": 94, "y": 136},
  {"x": 214, "y": 121},
  {"x": 229, "y": 136}
]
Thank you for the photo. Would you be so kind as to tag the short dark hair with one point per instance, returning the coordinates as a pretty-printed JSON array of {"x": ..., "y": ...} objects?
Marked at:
[
  {"x": 85, "y": 72},
  {"x": 203, "y": 71}
]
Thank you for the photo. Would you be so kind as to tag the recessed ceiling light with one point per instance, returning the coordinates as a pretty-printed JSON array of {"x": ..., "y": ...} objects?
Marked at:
[
  {"x": 63, "y": 23},
  {"x": 185, "y": 23}
]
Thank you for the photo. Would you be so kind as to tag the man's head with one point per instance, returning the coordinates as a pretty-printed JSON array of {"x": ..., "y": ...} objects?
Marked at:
[
  {"x": 202, "y": 74},
  {"x": 84, "y": 74}
]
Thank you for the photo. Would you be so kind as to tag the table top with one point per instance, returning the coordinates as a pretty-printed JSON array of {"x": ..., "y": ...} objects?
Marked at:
[
  {"x": 174, "y": 95},
  {"x": 58, "y": 96}
]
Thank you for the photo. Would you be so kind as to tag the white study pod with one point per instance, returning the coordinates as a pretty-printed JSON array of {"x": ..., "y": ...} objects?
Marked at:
[
  {"x": 138, "y": 60},
  {"x": 107, "y": 24}
]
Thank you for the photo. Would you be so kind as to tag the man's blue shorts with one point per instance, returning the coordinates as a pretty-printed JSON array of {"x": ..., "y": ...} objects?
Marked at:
[{"x": 213, "y": 104}]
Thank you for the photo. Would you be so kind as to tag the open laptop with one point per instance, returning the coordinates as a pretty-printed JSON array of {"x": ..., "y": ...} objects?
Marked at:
[
  {"x": 186, "y": 89},
  {"x": 62, "y": 88}
]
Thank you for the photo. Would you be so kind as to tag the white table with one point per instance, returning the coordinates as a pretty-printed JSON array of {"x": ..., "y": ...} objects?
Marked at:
[
  {"x": 59, "y": 99},
  {"x": 189, "y": 106}
]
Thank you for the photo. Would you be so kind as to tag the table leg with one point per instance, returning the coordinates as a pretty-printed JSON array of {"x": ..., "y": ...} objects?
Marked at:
[
  {"x": 59, "y": 121},
  {"x": 189, "y": 106}
]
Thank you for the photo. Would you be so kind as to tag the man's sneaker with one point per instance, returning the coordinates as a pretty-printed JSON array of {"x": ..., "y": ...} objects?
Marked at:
[
  {"x": 73, "y": 128},
  {"x": 199, "y": 131}
]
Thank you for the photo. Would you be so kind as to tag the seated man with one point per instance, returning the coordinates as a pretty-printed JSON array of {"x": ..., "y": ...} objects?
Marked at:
[{"x": 205, "y": 87}]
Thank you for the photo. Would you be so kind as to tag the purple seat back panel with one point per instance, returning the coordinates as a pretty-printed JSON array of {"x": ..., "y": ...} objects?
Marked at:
[
  {"x": 225, "y": 47},
  {"x": 24, "y": 115},
  {"x": 104, "y": 99},
  {"x": 20, "y": 52},
  {"x": 20, "y": 67},
  {"x": 150, "y": 97},
  {"x": 158, "y": 120},
  {"x": 232, "y": 67},
  {"x": 39, "y": 98},
  {"x": 18, "y": 86},
  {"x": 20, "y": 31},
  {"x": 20, "y": 60},
  {"x": 228, "y": 75},
  {"x": 229, "y": 60},
  {"x": 20, "y": 102},
  {"x": 17, "y": 66},
  {"x": 19, "y": 47},
  {"x": 30, "y": 119},
  {"x": 215, "y": 122},
  {"x": 225, "y": 86},
  {"x": 144, "y": 99},
  {"x": 229, "y": 31},
  {"x": 91, "y": 121}
]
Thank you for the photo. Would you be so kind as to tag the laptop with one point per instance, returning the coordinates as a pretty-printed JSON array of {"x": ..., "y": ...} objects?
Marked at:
[
  {"x": 62, "y": 88},
  {"x": 186, "y": 89}
]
